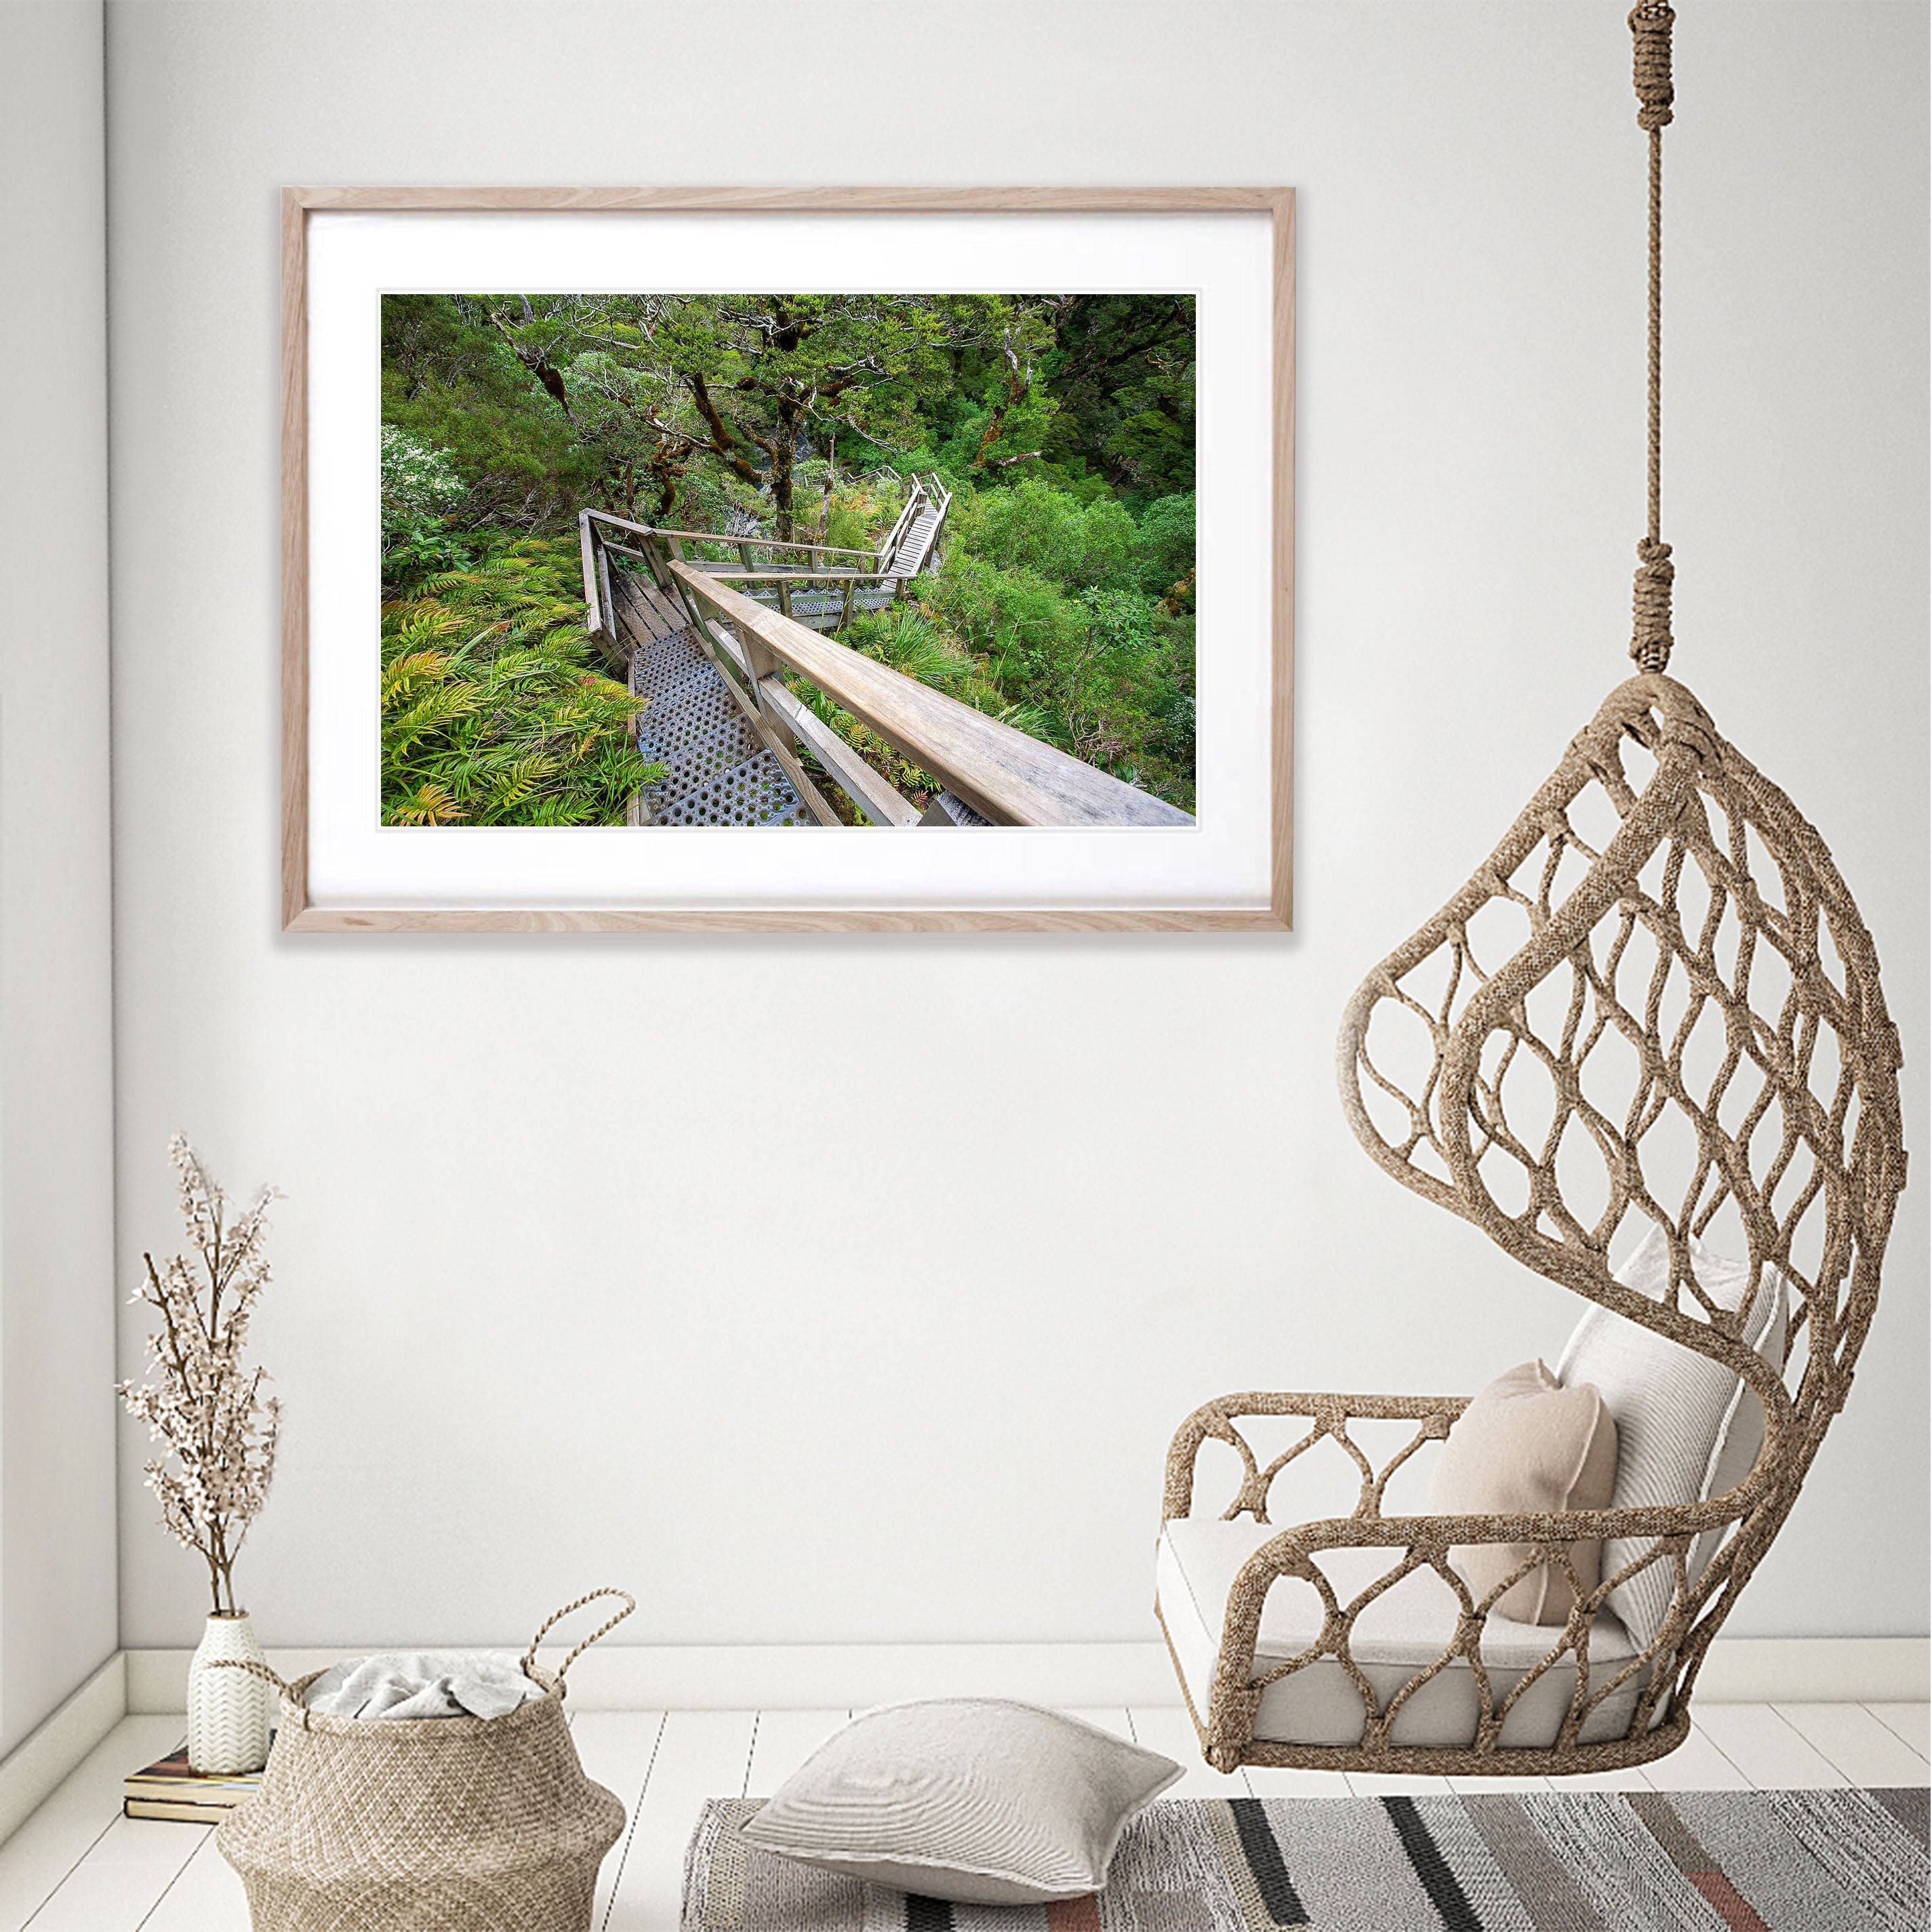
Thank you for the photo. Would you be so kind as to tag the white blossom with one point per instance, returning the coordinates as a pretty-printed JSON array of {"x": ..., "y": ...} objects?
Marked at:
[{"x": 219, "y": 1429}]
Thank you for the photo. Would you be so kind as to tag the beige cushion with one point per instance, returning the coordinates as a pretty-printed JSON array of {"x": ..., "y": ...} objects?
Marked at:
[
  {"x": 1687, "y": 1429},
  {"x": 1527, "y": 1445},
  {"x": 1405, "y": 1628},
  {"x": 969, "y": 1799}
]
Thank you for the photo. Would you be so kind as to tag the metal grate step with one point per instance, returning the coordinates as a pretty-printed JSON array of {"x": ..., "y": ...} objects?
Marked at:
[
  {"x": 754, "y": 793},
  {"x": 663, "y": 661},
  {"x": 718, "y": 771},
  {"x": 700, "y": 739}
]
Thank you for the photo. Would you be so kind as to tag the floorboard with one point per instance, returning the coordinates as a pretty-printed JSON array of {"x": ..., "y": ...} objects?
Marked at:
[
  {"x": 1279, "y": 1780},
  {"x": 77, "y": 1866},
  {"x": 1696, "y": 1765},
  {"x": 206, "y": 1895},
  {"x": 1855, "y": 1743},
  {"x": 784, "y": 1740},
  {"x": 1168, "y": 1729},
  {"x": 1397, "y": 1784},
  {"x": 1766, "y": 1749},
  {"x": 129, "y": 1866},
  {"x": 63, "y": 1831},
  {"x": 1633, "y": 1777},
  {"x": 617, "y": 1749},
  {"x": 701, "y": 1754},
  {"x": 1912, "y": 1722}
]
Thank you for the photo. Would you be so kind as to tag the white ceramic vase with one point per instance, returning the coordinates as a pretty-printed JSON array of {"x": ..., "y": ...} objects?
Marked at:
[{"x": 229, "y": 1712}]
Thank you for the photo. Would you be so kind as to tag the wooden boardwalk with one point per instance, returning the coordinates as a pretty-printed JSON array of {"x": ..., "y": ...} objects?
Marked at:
[{"x": 718, "y": 770}]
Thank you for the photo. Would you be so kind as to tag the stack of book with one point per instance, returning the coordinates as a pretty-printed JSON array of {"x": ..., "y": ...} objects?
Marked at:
[{"x": 171, "y": 1789}]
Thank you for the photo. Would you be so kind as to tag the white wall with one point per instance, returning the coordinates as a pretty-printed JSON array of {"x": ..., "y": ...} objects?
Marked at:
[
  {"x": 848, "y": 1288},
  {"x": 57, "y": 1504}
]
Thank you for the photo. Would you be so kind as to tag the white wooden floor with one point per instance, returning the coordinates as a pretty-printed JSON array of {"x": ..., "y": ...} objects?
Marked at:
[{"x": 78, "y": 1866}]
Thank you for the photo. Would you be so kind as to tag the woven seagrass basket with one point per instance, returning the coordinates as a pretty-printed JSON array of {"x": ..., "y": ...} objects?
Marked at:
[{"x": 436, "y": 1825}]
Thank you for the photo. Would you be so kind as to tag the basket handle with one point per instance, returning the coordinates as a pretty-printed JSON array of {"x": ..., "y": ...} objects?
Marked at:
[
  {"x": 630, "y": 1604},
  {"x": 254, "y": 1670}
]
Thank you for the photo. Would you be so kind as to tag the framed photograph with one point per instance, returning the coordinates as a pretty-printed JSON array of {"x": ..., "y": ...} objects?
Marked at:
[{"x": 621, "y": 591}]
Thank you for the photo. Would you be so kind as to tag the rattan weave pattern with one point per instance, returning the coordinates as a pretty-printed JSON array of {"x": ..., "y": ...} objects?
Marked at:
[
  {"x": 440, "y": 1824},
  {"x": 1656, "y": 1003}
]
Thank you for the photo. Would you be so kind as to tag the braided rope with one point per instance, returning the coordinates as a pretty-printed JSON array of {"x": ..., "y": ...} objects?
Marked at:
[
  {"x": 1651, "y": 640},
  {"x": 1650, "y": 605},
  {"x": 1655, "y": 1004},
  {"x": 1650, "y": 28},
  {"x": 630, "y": 1604},
  {"x": 1659, "y": 1718},
  {"x": 265, "y": 1672}
]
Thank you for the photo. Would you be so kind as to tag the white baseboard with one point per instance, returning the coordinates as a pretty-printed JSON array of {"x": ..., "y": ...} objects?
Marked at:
[
  {"x": 771, "y": 1677},
  {"x": 768, "y": 1677},
  {"x": 1817, "y": 1670},
  {"x": 32, "y": 1772}
]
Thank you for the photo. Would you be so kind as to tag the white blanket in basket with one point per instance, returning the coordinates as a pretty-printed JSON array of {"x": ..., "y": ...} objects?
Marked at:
[{"x": 421, "y": 1683}]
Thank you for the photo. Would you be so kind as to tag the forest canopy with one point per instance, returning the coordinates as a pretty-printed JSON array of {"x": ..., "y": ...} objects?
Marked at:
[{"x": 1064, "y": 602}]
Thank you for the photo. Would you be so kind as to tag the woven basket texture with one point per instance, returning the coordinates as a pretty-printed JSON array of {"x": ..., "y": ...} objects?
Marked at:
[{"x": 443, "y": 1825}]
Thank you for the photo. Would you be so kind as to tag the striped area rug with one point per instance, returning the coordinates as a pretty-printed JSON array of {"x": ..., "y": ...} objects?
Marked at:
[{"x": 1565, "y": 1862}]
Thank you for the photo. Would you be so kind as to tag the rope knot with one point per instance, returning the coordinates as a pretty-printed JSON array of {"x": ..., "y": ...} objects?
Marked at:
[
  {"x": 1650, "y": 24},
  {"x": 1651, "y": 640}
]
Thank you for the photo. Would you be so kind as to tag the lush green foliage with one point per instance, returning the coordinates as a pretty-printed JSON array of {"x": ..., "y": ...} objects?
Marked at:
[
  {"x": 1062, "y": 602},
  {"x": 1063, "y": 424},
  {"x": 455, "y": 386},
  {"x": 421, "y": 490},
  {"x": 1125, "y": 374},
  {"x": 492, "y": 714}
]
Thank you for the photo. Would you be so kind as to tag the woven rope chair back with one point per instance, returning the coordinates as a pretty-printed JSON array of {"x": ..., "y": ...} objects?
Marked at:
[{"x": 1656, "y": 1003}]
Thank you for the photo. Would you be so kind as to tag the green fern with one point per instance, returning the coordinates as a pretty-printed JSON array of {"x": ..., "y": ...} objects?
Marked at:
[{"x": 492, "y": 713}]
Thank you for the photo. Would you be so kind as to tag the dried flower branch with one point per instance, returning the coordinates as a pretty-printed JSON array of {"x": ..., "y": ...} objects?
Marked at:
[{"x": 220, "y": 1430}]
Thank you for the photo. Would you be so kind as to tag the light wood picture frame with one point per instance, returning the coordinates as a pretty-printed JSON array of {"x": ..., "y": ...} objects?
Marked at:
[{"x": 1242, "y": 861}]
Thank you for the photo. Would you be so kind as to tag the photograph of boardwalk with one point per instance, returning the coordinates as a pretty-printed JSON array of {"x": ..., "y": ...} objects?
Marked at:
[{"x": 788, "y": 560}]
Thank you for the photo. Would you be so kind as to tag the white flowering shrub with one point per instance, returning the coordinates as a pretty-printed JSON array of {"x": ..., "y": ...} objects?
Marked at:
[
  {"x": 420, "y": 490},
  {"x": 218, "y": 1429}
]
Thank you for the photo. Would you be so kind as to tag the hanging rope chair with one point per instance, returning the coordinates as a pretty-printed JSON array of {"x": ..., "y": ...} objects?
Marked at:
[{"x": 1653, "y": 1009}]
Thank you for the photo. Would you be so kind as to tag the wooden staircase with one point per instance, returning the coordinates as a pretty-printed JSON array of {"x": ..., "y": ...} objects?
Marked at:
[
  {"x": 721, "y": 651},
  {"x": 718, "y": 771},
  {"x": 911, "y": 547},
  {"x": 914, "y": 547}
]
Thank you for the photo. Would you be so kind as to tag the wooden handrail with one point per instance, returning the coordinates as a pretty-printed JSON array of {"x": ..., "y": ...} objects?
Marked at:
[
  {"x": 719, "y": 536},
  {"x": 807, "y": 575},
  {"x": 1008, "y": 777},
  {"x": 866, "y": 789}
]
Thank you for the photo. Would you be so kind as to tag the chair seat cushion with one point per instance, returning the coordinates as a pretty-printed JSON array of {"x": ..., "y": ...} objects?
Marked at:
[{"x": 1404, "y": 1630}]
